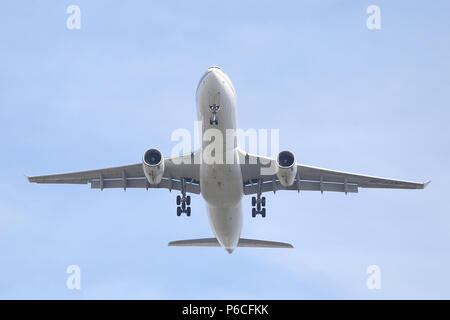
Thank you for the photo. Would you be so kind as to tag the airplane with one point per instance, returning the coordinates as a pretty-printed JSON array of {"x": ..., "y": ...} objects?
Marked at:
[{"x": 223, "y": 184}]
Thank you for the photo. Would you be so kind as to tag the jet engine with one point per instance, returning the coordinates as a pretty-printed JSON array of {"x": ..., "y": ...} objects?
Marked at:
[
  {"x": 287, "y": 168},
  {"x": 153, "y": 164}
]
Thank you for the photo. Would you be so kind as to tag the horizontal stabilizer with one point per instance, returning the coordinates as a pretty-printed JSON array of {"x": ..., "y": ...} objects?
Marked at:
[
  {"x": 212, "y": 242},
  {"x": 263, "y": 244},
  {"x": 205, "y": 242}
]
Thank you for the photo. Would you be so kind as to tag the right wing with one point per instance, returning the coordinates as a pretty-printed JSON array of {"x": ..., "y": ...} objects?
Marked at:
[
  {"x": 256, "y": 167},
  {"x": 132, "y": 176}
]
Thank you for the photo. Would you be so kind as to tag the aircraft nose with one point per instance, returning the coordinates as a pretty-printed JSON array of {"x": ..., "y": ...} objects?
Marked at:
[
  {"x": 213, "y": 76},
  {"x": 229, "y": 250}
]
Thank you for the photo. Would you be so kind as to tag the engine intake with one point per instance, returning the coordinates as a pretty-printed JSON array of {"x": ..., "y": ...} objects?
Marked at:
[
  {"x": 287, "y": 168},
  {"x": 153, "y": 165}
]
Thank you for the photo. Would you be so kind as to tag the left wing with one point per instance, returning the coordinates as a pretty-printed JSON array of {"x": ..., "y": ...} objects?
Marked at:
[
  {"x": 312, "y": 178},
  {"x": 132, "y": 176}
]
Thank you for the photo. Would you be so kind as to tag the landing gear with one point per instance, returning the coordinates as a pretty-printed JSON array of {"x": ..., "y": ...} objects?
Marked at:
[
  {"x": 259, "y": 202},
  {"x": 214, "y": 109},
  {"x": 183, "y": 201}
]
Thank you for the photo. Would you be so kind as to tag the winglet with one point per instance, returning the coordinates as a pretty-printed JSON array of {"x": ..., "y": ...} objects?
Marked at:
[
  {"x": 426, "y": 184},
  {"x": 27, "y": 177}
]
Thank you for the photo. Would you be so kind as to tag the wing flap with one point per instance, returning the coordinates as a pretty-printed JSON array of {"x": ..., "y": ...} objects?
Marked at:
[
  {"x": 275, "y": 185},
  {"x": 171, "y": 184}
]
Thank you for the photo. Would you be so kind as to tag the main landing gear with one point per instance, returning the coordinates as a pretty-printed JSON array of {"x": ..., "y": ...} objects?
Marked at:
[
  {"x": 183, "y": 201},
  {"x": 259, "y": 202},
  {"x": 214, "y": 109}
]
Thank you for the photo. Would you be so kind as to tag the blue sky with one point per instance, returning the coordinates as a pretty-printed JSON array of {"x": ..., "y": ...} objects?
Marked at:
[{"x": 343, "y": 97}]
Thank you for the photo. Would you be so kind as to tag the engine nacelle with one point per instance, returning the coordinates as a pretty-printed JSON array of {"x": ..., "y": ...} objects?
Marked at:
[
  {"x": 153, "y": 164},
  {"x": 287, "y": 168}
]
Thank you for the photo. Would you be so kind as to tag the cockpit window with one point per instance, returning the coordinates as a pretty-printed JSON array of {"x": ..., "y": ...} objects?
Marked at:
[{"x": 223, "y": 74}]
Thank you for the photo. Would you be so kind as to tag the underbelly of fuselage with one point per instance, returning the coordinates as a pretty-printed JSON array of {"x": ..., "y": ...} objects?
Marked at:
[
  {"x": 221, "y": 187},
  {"x": 220, "y": 182}
]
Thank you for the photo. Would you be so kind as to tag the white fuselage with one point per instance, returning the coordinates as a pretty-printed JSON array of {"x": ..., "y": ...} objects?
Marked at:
[{"x": 220, "y": 183}]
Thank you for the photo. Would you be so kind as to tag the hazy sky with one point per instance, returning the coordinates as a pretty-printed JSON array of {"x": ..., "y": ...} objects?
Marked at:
[{"x": 344, "y": 97}]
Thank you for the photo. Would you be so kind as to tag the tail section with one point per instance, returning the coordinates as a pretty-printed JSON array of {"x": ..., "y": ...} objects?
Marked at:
[{"x": 212, "y": 242}]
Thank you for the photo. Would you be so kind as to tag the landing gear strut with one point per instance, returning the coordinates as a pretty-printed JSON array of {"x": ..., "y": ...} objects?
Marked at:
[
  {"x": 259, "y": 202},
  {"x": 183, "y": 201},
  {"x": 214, "y": 109}
]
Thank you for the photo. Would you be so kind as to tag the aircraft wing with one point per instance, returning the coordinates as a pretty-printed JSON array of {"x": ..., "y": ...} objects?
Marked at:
[
  {"x": 312, "y": 178},
  {"x": 132, "y": 176}
]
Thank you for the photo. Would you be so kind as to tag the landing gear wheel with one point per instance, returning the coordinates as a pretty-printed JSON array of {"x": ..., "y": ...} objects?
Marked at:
[
  {"x": 188, "y": 211},
  {"x": 253, "y": 212},
  {"x": 210, "y": 121},
  {"x": 263, "y": 212},
  {"x": 253, "y": 201},
  {"x": 178, "y": 200},
  {"x": 178, "y": 211},
  {"x": 263, "y": 201},
  {"x": 216, "y": 122},
  {"x": 188, "y": 200}
]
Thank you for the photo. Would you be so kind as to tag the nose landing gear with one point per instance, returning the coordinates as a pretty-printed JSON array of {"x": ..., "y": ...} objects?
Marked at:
[
  {"x": 259, "y": 202},
  {"x": 214, "y": 109},
  {"x": 183, "y": 201}
]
